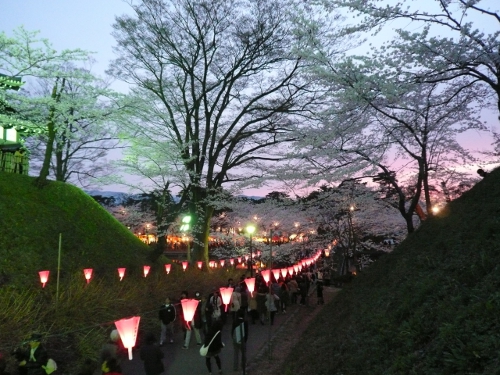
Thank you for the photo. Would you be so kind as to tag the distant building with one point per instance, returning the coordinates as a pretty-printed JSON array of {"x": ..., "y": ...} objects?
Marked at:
[{"x": 13, "y": 156}]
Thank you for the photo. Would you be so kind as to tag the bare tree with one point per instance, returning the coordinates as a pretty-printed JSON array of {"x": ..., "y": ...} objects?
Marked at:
[{"x": 218, "y": 80}]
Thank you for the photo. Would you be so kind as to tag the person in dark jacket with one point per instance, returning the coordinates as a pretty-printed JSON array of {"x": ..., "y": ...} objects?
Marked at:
[
  {"x": 239, "y": 334},
  {"x": 167, "y": 317},
  {"x": 36, "y": 357},
  {"x": 214, "y": 346},
  {"x": 152, "y": 356}
]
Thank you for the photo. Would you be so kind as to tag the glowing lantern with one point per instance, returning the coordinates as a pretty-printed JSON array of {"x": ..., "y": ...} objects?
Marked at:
[
  {"x": 283, "y": 271},
  {"x": 290, "y": 270},
  {"x": 200, "y": 264},
  {"x": 222, "y": 262},
  {"x": 127, "y": 328},
  {"x": 266, "y": 274},
  {"x": 250, "y": 284},
  {"x": 226, "y": 294},
  {"x": 246, "y": 258},
  {"x": 146, "y": 270},
  {"x": 231, "y": 261},
  {"x": 87, "y": 272},
  {"x": 184, "y": 265},
  {"x": 188, "y": 309},
  {"x": 259, "y": 253},
  {"x": 44, "y": 277},
  {"x": 211, "y": 264},
  {"x": 239, "y": 259},
  {"x": 121, "y": 273},
  {"x": 296, "y": 268},
  {"x": 327, "y": 252},
  {"x": 276, "y": 274},
  {"x": 300, "y": 267},
  {"x": 168, "y": 267}
]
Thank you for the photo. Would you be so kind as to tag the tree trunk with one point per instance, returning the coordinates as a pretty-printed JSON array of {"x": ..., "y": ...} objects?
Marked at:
[{"x": 51, "y": 128}]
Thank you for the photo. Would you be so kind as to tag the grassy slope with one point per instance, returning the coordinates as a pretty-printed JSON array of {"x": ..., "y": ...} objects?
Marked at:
[
  {"x": 77, "y": 324},
  {"x": 31, "y": 220},
  {"x": 430, "y": 307}
]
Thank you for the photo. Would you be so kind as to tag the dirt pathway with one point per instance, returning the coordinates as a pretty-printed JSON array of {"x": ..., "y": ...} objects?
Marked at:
[{"x": 288, "y": 336}]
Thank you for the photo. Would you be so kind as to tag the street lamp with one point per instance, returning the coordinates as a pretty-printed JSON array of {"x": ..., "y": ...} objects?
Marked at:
[
  {"x": 250, "y": 230},
  {"x": 184, "y": 228}
]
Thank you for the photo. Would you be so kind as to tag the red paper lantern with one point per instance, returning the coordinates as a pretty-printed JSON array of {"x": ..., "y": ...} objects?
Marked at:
[
  {"x": 127, "y": 328},
  {"x": 226, "y": 294},
  {"x": 250, "y": 284},
  {"x": 146, "y": 270},
  {"x": 44, "y": 277},
  {"x": 300, "y": 267},
  {"x": 290, "y": 270},
  {"x": 283, "y": 271},
  {"x": 200, "y": 264},
  {"x": 276, "y": 274},
  {"x": 246, "y": 257},
  {"x": 266, "y": 274},
  {"x": 222, "y": 262},
  {"x": 184, "y": 265},
  {"x": 211, "y": 264},
  {"x": 87, "y": 272},
  {"x": 231, "y": 261},
  {"x": 121, "y": 273},
  {"x": 239, "y": 259},
  {"x": 188, "y": 309},
  {"x": 296, "y": 268},
  {"x": 259, "y": 253},
  {"x": 168, "y": 267}
]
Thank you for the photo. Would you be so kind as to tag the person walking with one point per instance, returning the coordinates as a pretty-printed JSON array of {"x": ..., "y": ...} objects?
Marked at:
[
  {"x": 293, "y": 287},
  {"x": 239, "y": 334},
  {"x": 195, "y": 325},
  {"x": 213, "y": 308},
  {"x": 167, "y": 317},
  {"x": 271, "y": 300},
  {"x": 252, "y": 307},
  {"x": 235, "y": 303},
  {"x": 213, "y": 341},
  {"x": 284, "y": 297},
  {"x": 262, "y": 291},
  {"x": 152, "y": 356}
]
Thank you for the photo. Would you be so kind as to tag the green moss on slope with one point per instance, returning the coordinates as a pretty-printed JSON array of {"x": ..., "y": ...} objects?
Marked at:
[
  {"x": 430, "y": 307},
  {"x": 31, "y": 220}
]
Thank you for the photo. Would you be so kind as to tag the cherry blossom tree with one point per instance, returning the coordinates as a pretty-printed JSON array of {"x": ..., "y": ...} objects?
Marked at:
[{"x": 220, "y": 82}]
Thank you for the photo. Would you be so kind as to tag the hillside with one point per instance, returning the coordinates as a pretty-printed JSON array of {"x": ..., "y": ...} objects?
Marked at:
[
  {"x": 430, "y": 307},
  {"x": 32, "y": 218}
]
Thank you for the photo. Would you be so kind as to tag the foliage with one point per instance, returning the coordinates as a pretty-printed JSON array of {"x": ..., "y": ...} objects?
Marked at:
[
  {"x": 219, "y": 84},
  {"x": 77, "y": 324},
  {"x": 429, "y": 307}
]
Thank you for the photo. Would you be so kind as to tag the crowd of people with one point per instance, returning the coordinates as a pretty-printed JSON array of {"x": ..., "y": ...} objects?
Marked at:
[{"x": 244, "y": 309}]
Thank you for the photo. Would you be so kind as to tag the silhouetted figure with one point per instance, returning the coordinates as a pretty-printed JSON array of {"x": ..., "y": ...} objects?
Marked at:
[{"x": 482, "y": 173}]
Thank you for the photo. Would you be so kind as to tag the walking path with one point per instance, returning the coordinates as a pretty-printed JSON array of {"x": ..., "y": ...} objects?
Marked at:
[{"x": 179, "y": 361}]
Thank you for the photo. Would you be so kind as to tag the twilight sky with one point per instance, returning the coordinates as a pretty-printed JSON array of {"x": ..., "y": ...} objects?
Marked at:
[{"x": 86, "y": 24}]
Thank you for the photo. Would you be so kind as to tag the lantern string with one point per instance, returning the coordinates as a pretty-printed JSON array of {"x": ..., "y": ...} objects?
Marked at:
[{"x": 92, "y": 327}]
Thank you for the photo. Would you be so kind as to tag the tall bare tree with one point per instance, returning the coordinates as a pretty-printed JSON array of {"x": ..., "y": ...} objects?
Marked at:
[{"x": 220, "y": 81}]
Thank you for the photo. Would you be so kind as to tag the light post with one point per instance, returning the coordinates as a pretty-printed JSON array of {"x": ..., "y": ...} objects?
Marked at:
[
  {"x": 184, "y": 228},
  {"x": 250, "y": 231}
]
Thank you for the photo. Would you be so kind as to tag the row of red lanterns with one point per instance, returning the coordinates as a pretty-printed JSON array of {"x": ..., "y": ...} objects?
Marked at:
[
  {"x": 296, "y": 268},
  {"x": 128, "y": 328}
]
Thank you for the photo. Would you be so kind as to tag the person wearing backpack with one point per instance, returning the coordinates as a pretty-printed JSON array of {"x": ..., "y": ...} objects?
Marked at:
[{"x": 239, "y": 334}]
